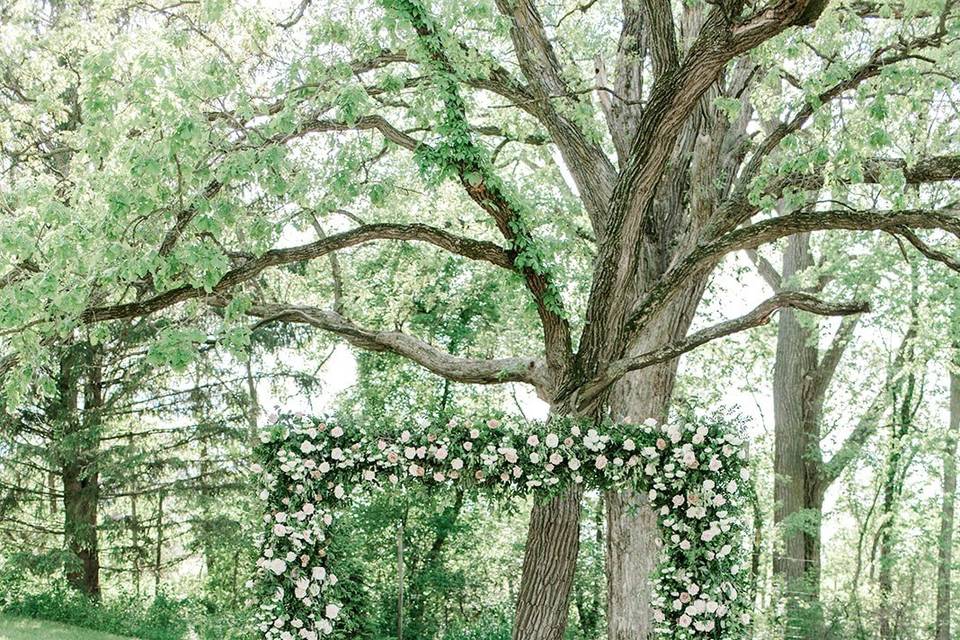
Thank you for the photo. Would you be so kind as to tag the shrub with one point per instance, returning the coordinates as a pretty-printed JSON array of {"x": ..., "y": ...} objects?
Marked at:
[{"x": 161, "y": 618}]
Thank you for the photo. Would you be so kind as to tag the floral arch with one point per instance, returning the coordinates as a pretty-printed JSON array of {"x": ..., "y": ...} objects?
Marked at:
[{"x": 694, "y": 472}]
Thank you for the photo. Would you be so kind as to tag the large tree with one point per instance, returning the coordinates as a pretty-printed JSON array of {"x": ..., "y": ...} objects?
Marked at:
[
  {"x": 211, "y": 137},
  {"x": 804, "y": 372}
]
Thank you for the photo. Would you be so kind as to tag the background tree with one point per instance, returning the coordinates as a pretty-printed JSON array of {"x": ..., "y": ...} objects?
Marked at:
[{"x": 197, "y": 185}]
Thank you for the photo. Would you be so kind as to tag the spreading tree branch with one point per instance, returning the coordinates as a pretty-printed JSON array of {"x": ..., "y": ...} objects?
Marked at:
[
  {"x": 755, "y": 318},
  {"x": 827, "y": 366},
  {"x": 466, "y": 247},
  {"x": 868, "y": 422},
  {"x": 469, "y": 370},
  {"x": 589, "y": 165},
  {"x": 471, "y": 165},
  {"x": 705, "y": 256},
  {"x": 766, "y": 270},
  {"x": 674, "y": 96}
]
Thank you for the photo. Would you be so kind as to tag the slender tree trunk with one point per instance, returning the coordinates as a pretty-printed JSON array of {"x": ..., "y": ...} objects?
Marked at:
[
  {"x": 896, "y": 469},
  {"x": 158, "y": 550},
  {"x": 400, "y": 578},
  {"x": 135, "y": 540},
  {"x": 553, "y": 540},
  {"x": 253, "y": 403},
  {"x": 52, "y": 489},
  {"x": 945, "y": 555}
]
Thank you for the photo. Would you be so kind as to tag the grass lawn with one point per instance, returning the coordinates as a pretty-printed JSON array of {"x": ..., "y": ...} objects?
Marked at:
[{"x": 25, "y": 629}]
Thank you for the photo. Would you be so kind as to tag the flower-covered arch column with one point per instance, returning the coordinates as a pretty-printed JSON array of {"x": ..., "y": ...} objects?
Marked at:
[{"x": 694, "y": 472}]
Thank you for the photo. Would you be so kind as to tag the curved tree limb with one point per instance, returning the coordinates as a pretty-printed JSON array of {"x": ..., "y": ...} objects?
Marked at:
[
  {"x": 928, "y": 251},
  {"x": 737, "y": 208},
  {"x": 472, "y": 167},
  {"x": 470, "y": 370},
  {"x": 760, "y": 315},
  {"x": 466, "y": 247},
  {"x": 707, "y": 255}
]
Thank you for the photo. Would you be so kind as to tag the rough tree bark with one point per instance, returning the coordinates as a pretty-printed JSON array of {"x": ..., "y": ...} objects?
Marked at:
[
  {"x": 945, "y": 551},
  {"x": 78, "y": 446},
  {"x": 798, "y": 491},
  {"x": 550, "y": 558},
  {"x": 80, "y": 498},
  {"x": 802, "y": 376},
  {"x": 632, "y": 534}
]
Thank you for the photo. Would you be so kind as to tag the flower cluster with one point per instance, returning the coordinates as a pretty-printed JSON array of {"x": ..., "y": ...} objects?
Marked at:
[
  {"x": 698, "y": 483},
  {"x": 693, "y": 475}
]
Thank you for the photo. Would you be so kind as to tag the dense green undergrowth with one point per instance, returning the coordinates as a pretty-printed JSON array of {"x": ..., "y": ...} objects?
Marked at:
[
  {"x": 163, "y": 617},
  {"x": 159, "y": 618}
]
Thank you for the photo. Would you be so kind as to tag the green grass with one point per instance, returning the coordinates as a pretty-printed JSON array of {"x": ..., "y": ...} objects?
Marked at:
[{"x": 25, "y": 629}]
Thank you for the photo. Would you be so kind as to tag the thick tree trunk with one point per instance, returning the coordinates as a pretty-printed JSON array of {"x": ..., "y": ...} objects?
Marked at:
[
  {"x": 78, "y": 447},
  {"x": 81, "y": 493},
  {"x": 631, "y": 557},
  {"x": 632, "y": 535},
  {"x": 945, "y": 555},
  {"x": 553, "y": 540},
  {"x": 798, "y": 494}
]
